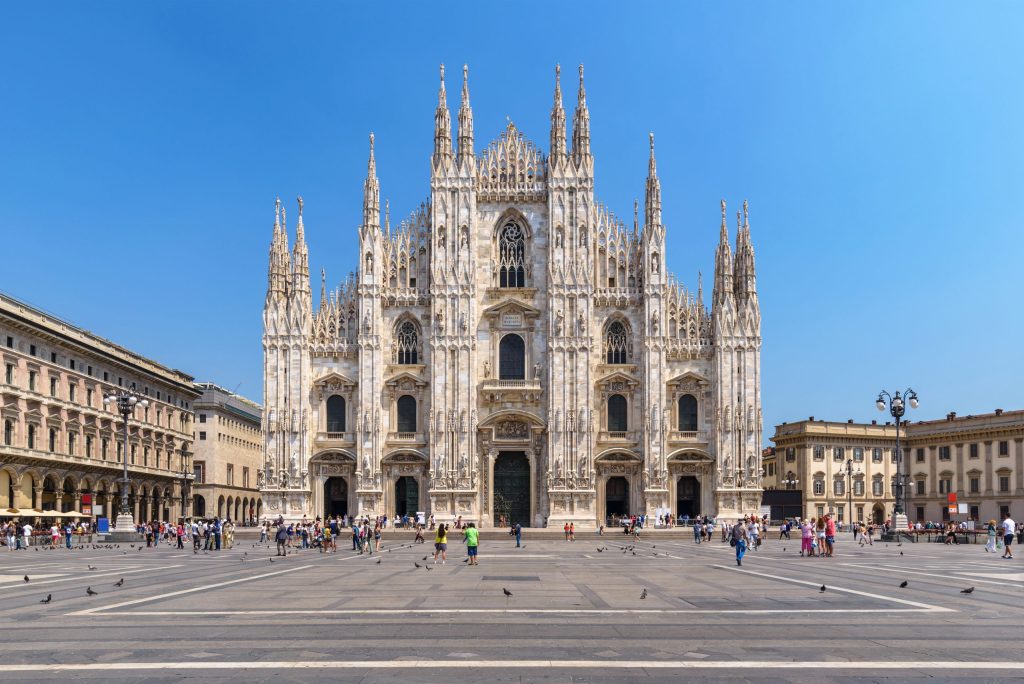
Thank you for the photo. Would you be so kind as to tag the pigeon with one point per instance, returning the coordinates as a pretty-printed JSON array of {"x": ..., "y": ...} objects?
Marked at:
[
  {"x": 49, "y": 597},
  {"x": 90, "y": 592},
  {"x": 465, "y": 560},
  {"x": 119, "y": 583},
  {"x": 424, "y": 558},
  {"x": 92, "y": 567},
  {"x": 429, "y": 567},
  {"x": 132, "y": 545},
  {"x": 901, "y": 553},
  {"x": 903, "y": 584},
  {"x": 822, "y": 590},
  {"x": 599, "y": 549},
  {"x": 417, "y": 564},
  {"x": 26, "y": 578},
  {"x": 969, "y": 590},
  {"x": 643, "y": 594},
  {"x": 508, "y": 594},
  {"x": 271, "y": 560},
  {"x": 378, "y": 561}
]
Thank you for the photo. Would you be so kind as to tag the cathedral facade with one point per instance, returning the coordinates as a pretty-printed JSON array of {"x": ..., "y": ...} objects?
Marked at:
[{"x": 512, "y": 351}]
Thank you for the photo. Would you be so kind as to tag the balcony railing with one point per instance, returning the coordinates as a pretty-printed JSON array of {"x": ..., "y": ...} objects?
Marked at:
[
  {"x": 406, "y": 437},
  {"x": 687, "y": 436},
  {"x": 335, "y": 436},
  {"x": 617, "y": 436}
]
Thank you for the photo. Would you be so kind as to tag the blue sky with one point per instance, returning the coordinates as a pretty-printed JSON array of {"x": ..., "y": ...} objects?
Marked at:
[{"x": 879, "y": 146}]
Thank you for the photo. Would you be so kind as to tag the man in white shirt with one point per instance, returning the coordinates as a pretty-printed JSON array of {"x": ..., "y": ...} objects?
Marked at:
[
  {"x": 1009, "y": 528},
  {"x": 27, "y": 531}
]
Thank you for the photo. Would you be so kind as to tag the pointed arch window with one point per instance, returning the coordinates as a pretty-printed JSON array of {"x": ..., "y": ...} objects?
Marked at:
[
  {"x": 406, "y": 410},
  {"x": 407, "y": 344},
  {"x": 617, "y": 418},
  {"x": 336, "y": 414},
  {"x": 512, "y": 256},
  {"x": 512, "y": 358},
  {"x": 687, "y": 413},
  {"x": 616, "y": 343}
]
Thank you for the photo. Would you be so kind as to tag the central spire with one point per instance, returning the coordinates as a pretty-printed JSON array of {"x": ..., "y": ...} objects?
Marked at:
[
  {"x": 465, "y": 120},
  {"x": 442, "y": 127},
  {"x": 371, "y": 193},
  {"x": 581, "y": 125},
  {"x": 652, "y": 203},
  {"x": 558, "y": 146}
]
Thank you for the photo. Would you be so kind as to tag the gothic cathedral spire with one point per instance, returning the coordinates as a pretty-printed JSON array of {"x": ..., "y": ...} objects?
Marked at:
[
  {"x": 300, "y": 258},
  {"x": 371, "y": 194},
  {"x": 723, "y": 289},
  {"x": 581, "y": 126},
  {"x": 746, "y": 279},
  {"x": 465, "y": 121},
  {"x": 558, "y": 146},
  {"x": 442, "y": 128},
  {"x": 652, "y": 201}
]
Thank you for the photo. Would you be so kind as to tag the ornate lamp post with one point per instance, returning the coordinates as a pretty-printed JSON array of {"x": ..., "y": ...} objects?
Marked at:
[
  {"x": 790, "y": 482},
  {"x": 849, "y": 490},
  {"x": 186, "y": 481},
  {"x": 126, "y": 401},
  {"x": 897, "y": 408}
]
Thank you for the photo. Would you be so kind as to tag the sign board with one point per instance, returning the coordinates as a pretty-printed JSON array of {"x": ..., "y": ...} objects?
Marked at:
[
  {"x": 421, "y": 517},
  {"x": 952, "y": 509},
  {"x": 962, "y": 508},
  {"x": 86, "y": 499},
  {"x": 951, "y": 497},
  {"x": 103, "y": 525},
  {"x": 86, "y": 510},
  {"x": 97, "y": 509}
]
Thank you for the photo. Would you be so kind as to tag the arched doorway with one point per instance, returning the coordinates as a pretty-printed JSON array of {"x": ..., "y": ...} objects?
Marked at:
[
  {"x": 335, "y": 497},
  {"x": 512, "y": 487},
  {"x": 688, "y": 496},
  {"x": 616, "y": 497},
  {"x": 878, "y": 513},
  {"x": 407, "y": 496},
  {"x": 198, "y": 506}
]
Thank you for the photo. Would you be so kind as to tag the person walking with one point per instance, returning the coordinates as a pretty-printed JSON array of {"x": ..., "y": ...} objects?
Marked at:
[
  {"x": 1009, "y": 528},
  {"x": 990, "y": 528},
  {"x": 441, "y": 544},
  {"x": 519, "y": 534},
  {"x": 565, "y": 529},
  {"x": 830, "y": 534},
  {"x": 698, "y": 531},
  {"x": 572, "y": 532},
  {"x": 807, "y": 538},
  {"x": 472, "y": 537},
  {"x": 282, "y": 540},
  {"x": 739, "y": 540}
]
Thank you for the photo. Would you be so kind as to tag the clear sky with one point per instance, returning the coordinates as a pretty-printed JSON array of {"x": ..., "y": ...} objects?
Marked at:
[{"x": 880, "y": 146}]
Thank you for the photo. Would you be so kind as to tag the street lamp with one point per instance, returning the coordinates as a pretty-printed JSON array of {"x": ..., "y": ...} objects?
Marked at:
[
  {"x": 791, "y": 482},
  {"x": 897, "y": 408},
  {"x": 186, "y": 480},
  {"x": 849, "y": 490},
  {"x": 126, "y": 401}
]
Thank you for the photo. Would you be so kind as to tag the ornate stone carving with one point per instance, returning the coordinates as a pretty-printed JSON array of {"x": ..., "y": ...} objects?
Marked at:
[{"x": 511, "y": 429}]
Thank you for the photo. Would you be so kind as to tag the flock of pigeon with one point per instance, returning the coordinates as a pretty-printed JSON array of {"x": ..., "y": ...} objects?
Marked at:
[{"x": 89, "y": 591}]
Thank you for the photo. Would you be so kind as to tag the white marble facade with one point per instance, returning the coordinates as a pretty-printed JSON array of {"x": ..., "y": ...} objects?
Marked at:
[{"x": 512, "y": 351}]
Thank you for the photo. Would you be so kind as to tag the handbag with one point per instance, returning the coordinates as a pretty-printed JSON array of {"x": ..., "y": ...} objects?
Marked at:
[{"x": 732, "y": 542}]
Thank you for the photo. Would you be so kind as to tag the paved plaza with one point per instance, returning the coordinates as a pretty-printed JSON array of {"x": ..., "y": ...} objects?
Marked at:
[{"x": 666, "y": 610}]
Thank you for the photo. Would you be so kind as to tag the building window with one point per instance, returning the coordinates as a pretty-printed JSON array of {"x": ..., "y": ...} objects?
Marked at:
[
  {"x": 135, "y": 450},
  {"x": 104, "y": 448},
  {"x": 975, "y": 485},
  {"x": 106, "y": 376},
  {"x": 71, "y": 443},
  {"x": 10, "y": 342},
  {"x": 407, "y": 344},
  {"x": 876, "y": 487},
  {"x": 88, "y": 446},
  {"x": 202, "y": 435},
  {"x": 840, "y": 513},
  {"x": 245, "y": 477},
  {"x": 1004, "y": 510},
  {"x": 199, "y": 470},
  {"x": 9, "y": 374},
  {"x": 920, "y": 455},
  {"x": 32, "y": 349},
  {"x": 944, "y": 454},
  {"x": 32, "y": 381},
  {"x": 617, "y": 418},
  {"x": 512, "y": 257},
  {"x": 920, "y": 513},
  {"x": 790, "y": 454},
  {"x": 145, "y": 456},
  {"x": 821, "y": 509},
  {"x": 72, "y": 391},
  {"x": 858, "y": 487},
  {"x": 838, "y": 487},
  {"x": 945, "y": 485},
  {"x": 53, "y": 357},
  {"x": 406, "y": 410},
  {"x": 512, "y": 358},
  {"x": 336, "y": 414},
  {"x": 616, "y": 343},
  {"x": 53, "y": 441},
  {"x": 202, "y": 417},
  {"x": 231, "y": 475},
  {"x": 31, "y": 436},
  {"x": 88, "y": 397},
  {"x": 876, "y": 455},
  {"x": 819, "y": 487},
  {"x": 920, "y": 487},
  {"x": 858, "y": 453},
  {"x": 88, "y": 371},
  {"x": 819, "y": 453},
  {"x": 71, "y": 364},
  {"x": 1004, "y": 448},
  {"x": 687, "y": 413},
  {"x": 838, "y": 454},
  {"x": 1004, "y": 483},
  {"x": 53, "y": 387},
  {"x": 973, "y": 451},
  {"x": 892, "y": 457},
  {"x": 8, "y": 433},
  {"x": 120, "y": 451},
  {"x": 974, "y": 512}
]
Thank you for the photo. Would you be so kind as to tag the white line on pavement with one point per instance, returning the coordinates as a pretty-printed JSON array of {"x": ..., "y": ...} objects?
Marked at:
[
  {"x": 916, "y": 604},
  {"x": 955, "y": 578},
  {"x": 82, "y": 576},
  {"x": 744, "y": 665},
  {"x": 93, "y": 611},
  {"x": 528, "y": 611}
]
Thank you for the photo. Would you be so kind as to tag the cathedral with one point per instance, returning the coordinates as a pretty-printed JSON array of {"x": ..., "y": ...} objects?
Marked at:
[{"x": 512, "y": 351}]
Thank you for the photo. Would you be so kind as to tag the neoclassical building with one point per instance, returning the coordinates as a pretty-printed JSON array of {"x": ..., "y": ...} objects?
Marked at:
[{"x": 512, "y": 351}]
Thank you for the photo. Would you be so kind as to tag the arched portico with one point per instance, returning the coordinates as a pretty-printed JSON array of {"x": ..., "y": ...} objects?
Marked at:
[
  {"x": 511, "y": 443},
  {"x": 618, "y": 484},
  {"x": 691, "y": 483},
  {"x": 333, "y": 475},
  {"x": 406, "y": 481}
]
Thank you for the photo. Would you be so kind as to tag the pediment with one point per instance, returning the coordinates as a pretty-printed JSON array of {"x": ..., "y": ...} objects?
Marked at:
[
  {"x": 511, "y": 306},
  {"x": 405, "y": 380},
  {"x": 689, "y": 378},
  {"x": 618, "y": 380},
  {"x": 334, "y": 379}
]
